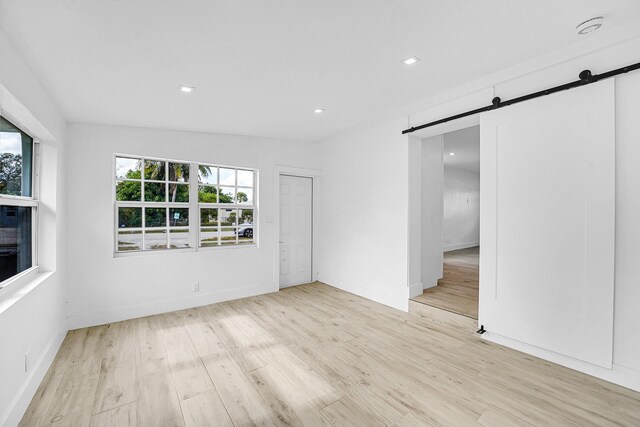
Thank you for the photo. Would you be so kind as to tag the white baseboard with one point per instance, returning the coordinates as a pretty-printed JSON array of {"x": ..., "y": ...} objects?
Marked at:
[
  {"x": 620, "y": 375},
  {"x": 460, "y": 246},
  {"x": 163, "y": 306},
  {"x": 429, "y": 285},
  {"x": 415, "y": 290},
  {"x": 18, "y": 406},
  {"x": 399, "y": 301}
]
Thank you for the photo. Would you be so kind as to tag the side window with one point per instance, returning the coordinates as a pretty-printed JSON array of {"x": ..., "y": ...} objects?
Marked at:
[{"x": 18, "y": 206}]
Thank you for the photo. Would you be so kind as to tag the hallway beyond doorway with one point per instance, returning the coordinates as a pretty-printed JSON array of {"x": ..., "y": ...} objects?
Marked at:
[{"x": 457, "y": 291}]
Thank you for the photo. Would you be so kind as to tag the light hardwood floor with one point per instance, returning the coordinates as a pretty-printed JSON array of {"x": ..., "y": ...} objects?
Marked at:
[
  {"x": 457, "y": 291},
  {"x": 310, "y": 355}
]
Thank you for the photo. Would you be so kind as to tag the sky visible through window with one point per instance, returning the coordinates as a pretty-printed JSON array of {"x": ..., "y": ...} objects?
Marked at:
[
  {"x": 11, "y": 142},
  {"x": 11, "y": 167}
]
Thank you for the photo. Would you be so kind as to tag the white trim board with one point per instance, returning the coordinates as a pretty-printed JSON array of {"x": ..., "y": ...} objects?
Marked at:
[
  {"x": 416, "y": 289},
  {"x": 399, "y": 302},
  {"x": 17, "y": 408},
  {"x": 460, "y": 246},
  {"x": 118, "y": 314},
  {"x": 429, "y": 285},
  {"x": 21, "y": 286},
  {"x": 620, "y": 375}
]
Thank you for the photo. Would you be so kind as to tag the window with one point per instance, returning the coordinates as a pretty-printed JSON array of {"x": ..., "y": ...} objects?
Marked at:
[
  {"x": 160, "y": 203},
  {"x": 226, "y": 205},
  {"x": 152, "y": 199},
  {"x": 18, "y": 206}
]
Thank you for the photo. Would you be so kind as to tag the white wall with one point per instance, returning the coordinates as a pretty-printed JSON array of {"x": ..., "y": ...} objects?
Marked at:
[
  {"x": 461, "y": 225},
  {"x": 104, "y": 288},
  {"x": 431, "y": 175},
  {"x": 32, "y": 310},
  {"x": 365, "y": 213}
]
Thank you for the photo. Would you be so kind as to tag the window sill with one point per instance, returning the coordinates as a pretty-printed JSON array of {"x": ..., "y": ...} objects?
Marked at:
[
  {"x": 18, "y": 278},
  {"x": 224, "y": 248},
  {"x": 181, "y": 251},
  {"x": 21, "y": 286}
]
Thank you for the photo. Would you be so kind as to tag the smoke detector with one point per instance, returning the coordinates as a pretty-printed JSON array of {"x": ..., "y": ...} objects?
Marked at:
[{"x": 590, "y": 25}]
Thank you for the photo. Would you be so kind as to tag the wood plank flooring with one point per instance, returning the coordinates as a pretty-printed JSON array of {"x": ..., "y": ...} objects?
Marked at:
[
  {"x": 310, "y": 355},
  {"x": 457, "y": 291}
]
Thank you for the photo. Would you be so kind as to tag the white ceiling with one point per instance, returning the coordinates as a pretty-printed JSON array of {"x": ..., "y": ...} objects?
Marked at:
[
  {"x": 465, "y": 144},
  {"x": 262, "y": 67}
]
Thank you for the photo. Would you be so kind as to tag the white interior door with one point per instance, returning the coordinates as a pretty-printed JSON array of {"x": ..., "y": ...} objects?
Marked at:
[
  {"x": 295, "y": 230},
  {"x": 547, "y": 222}
]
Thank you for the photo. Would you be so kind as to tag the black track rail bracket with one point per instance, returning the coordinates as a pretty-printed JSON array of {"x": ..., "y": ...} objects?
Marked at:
[{"x": 584, "y": 78}]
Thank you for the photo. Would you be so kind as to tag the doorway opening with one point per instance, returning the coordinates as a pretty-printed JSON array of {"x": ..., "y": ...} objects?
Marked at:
[
  {"x": 455, "y": 287},
  {"x": 457, "y": 291},
  {"x": 547, "y": 219}
]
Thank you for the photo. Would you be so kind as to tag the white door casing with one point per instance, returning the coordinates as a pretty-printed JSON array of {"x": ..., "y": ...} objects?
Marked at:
[
  {"x": 547, "y": 222},
  {"x": 296, "y": 230},
  {"x": 432, "y": 176}
]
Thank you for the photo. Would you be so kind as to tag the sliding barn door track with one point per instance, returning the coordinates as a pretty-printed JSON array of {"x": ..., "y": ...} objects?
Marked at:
[{"x": 584, "y": 78}]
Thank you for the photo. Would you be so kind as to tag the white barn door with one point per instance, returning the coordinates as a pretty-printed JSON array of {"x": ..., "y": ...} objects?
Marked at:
[
  {"x": 296, "y": 230},
  {"x": 547, "y": 222}
]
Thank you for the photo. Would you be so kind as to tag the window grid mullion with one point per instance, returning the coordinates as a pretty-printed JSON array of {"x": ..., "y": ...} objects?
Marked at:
[
  {"x": 7, "y": 201},
  {"x": 194, "y": 229},
  {"x": 166, "y": 184},
  {"x": 142, "y": 182},
  {"x": 218, "y": 189},
  {"x": 144, "y": 227},
  {"x": 219, "y": 230},
  {"x": 166, "y": 225}
]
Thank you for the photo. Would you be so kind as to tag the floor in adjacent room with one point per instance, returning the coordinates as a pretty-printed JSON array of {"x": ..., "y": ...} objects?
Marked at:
[
  {"x": 457, "y": 291},
  {"x": 310, "y": 355}
]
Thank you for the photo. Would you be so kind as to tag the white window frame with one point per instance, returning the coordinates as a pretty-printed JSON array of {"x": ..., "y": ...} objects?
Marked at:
[
  {"x": 253, "y": 206},
  {"x": 23, "y": 201},
  {"x": 193, "y": 206}
]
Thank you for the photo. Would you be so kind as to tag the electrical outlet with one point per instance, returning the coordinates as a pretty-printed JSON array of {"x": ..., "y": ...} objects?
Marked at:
[
  {"x": 196, "y": 287},
  {"x": 26, "y": 361}
]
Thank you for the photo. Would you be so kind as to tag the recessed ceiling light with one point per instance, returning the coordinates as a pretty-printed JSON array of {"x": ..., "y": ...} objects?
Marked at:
[
  {"x": 186, "y": 89},
  {"x": 412, "y": 60},
  {"x": 318, "y": 110},
  {"x": 590, "y": 25},
  {"x": 452, "y": 153}
]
